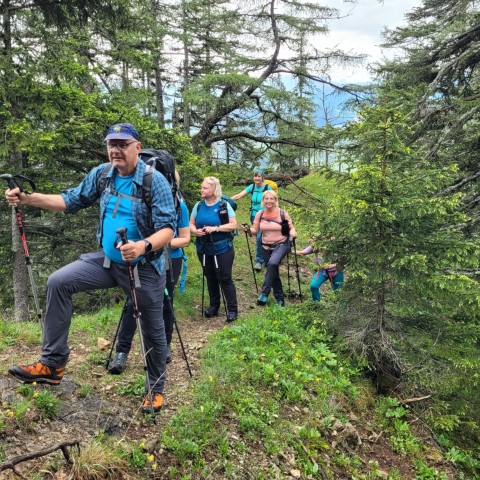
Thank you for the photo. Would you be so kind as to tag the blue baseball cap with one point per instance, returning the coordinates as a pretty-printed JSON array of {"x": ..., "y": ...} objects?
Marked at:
[{"x": 122, "y": 131}]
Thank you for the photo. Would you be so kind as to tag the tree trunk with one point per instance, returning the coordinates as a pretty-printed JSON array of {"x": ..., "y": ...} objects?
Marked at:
[
  {"x": 20, "y": 276},
  {"x": 186, "y": 78},
  {"x": 160, "y": 106}
]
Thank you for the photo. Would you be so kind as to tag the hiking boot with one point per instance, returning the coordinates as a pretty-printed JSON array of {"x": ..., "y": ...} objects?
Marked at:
[
  {"x": 258, "y": 267},
  {"x": 280, "y": 302},
  {"x": 118, "y": 364},
  {"x": 169, "y": 353},
  {"x": 232, "y": 316},
  {"x": 211, "y": 312},
  {"x": 262, "y": 300},
  {"x": 157, "y": 403},
  {"x": 38, "y": 372}
]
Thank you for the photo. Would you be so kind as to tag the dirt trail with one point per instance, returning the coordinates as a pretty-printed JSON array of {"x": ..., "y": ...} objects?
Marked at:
[{"x": 82, "y": 417}]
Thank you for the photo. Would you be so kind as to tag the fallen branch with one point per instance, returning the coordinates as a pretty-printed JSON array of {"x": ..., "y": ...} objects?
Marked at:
[
  {"x": 415, "y": 399},
  {"x": 11, "y": 464},
  {"x": 278, "y": 177}
]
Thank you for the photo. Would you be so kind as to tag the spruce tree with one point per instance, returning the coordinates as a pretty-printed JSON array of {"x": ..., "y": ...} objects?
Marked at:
[{"x": 397, "y": 235}]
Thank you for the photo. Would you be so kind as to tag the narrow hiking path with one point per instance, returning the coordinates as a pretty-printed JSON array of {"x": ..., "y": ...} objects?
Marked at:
[{"x": 82, "y": 415}]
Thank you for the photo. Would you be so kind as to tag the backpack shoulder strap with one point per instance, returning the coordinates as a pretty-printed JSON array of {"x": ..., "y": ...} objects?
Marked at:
[
  {"x": 147, "y": 186},
  {"x": 198, "y": 205},
  {"x": 104, "y": 180},
  {"x": 265, "y": 188},
  {"x": 282, "y": 216}
]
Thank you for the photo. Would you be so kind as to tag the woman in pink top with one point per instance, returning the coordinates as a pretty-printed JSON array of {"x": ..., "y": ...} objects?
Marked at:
[{"x": 277, "y": 231}]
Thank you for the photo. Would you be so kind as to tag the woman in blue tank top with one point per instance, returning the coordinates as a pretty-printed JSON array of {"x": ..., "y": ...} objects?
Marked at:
[{"x": 212, "y": 221}]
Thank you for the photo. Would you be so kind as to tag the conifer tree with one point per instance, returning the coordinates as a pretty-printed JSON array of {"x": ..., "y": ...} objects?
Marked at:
[
  {"x": 439, "y": 48},
  {"x": 397, "y": 235}
]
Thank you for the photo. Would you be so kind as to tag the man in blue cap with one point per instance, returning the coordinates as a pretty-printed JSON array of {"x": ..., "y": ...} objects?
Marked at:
[
  {"x": 256, "y": 190},
  {"x": 149, "y": 230}
]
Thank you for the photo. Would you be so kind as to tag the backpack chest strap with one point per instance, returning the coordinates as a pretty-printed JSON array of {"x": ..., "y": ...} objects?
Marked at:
[{"x": 119, "y": 196}]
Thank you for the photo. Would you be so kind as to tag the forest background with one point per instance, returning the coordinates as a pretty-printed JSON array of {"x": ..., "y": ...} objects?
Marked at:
[{"x": 225, "y": 87}]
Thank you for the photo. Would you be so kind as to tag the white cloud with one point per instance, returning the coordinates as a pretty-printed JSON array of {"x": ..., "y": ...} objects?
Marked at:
[{"x": 360, "y": 32}]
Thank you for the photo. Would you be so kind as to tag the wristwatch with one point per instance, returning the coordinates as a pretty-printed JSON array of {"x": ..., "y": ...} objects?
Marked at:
[{"x": 148, "y": 246}]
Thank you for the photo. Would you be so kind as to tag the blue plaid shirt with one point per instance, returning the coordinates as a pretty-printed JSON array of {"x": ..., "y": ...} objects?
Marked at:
[{"x": 148, "y": 221}]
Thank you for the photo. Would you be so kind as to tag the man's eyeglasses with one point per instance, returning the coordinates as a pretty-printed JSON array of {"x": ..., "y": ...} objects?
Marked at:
[{"x": 121, "y": 146}]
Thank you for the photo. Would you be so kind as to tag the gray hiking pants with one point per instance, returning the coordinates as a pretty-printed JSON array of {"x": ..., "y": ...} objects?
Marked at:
[
  {"x": 87, "y": 273},
  {"x": 273, "y": 259}
]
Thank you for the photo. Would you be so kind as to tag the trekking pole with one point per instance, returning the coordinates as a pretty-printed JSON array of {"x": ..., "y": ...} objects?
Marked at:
[
  {"x": 178, "y": 332},
  {"x": 217, "y": 273},
  {"x": 170, "y": 266},
  {"x": 296, "y": 268},
  {"x": 251, "y": 260},
  {"x": 124, "y": 310},
  {"x": 289, "y": 294},
  {"x": 203, "y": 284},
  {"x": 14, "y": 181},
  {"x": 122, "y": 235}
]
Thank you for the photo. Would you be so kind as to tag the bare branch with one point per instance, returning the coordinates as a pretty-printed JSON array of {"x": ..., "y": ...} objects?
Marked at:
[
  {"x": 11, "y": 464},
  {"x": 267, "y": 140}
]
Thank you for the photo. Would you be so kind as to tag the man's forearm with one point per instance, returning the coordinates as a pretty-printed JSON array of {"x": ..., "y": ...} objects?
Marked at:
[
  {"x": 48, "y": 202},
  {"x": 161, "y": 238}
]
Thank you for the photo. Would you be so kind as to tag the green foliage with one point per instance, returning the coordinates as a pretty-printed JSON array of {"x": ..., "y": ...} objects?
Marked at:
[
  {"x": 135, "y": 388},
  {"x": 423, "y": 472},
  {"x": 392, "y": 415},
  {"x": 47, "y": 404}
]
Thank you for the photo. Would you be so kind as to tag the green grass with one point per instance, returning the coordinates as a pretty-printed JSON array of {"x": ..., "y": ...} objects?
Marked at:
[
  {"x": 29, "y": 334},
  {"x": 253, "y": 375}
]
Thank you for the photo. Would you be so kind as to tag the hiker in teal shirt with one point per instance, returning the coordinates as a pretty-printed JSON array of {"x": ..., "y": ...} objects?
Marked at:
[{"x": 256, "y": 190}]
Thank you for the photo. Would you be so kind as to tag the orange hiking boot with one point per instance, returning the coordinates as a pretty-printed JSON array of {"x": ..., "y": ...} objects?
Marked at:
[
  {"x": 37, "y": 372},
  {"x": 157, "y": 403}
]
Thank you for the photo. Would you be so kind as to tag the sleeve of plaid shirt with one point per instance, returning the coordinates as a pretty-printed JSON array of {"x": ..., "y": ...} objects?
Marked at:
[
  {"x": 163, "y": 208},
  {"x": 85, "y": 194}
]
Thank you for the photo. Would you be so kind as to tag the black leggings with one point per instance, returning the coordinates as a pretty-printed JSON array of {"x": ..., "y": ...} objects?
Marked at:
[{"x": 220, "y": 274}]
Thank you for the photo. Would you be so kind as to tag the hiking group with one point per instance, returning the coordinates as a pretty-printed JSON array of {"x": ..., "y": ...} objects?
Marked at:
[{"x": 139, "y": 220}]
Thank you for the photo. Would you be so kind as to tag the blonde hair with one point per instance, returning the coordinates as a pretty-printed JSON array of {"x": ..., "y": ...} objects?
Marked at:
[
  {"x": 273, "y": 194},
  {"x": 217, "y": 187}
]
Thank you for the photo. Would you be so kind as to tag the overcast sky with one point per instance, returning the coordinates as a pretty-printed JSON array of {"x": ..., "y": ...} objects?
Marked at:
[{"x": 360, "y": 31}]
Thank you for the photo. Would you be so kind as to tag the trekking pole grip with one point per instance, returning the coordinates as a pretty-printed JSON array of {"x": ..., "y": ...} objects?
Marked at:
[
  {"x": 15, "y": 181},
  {"x": 122, "y": 233},
  {"x": 10, "y": 181}
]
